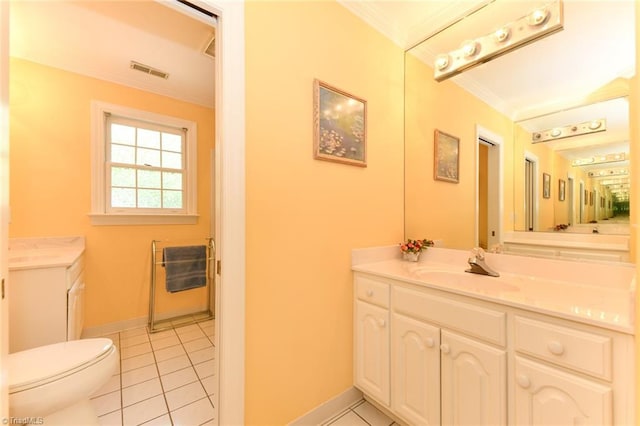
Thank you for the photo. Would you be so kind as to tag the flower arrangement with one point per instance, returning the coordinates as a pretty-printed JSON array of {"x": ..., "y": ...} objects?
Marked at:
[
  {"x": 560, "y": 227},
  {"x": 415, "y": 246}
]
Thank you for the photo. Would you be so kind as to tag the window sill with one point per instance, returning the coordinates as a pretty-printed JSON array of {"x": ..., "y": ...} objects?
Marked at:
[{"x": 143, "y": 219}]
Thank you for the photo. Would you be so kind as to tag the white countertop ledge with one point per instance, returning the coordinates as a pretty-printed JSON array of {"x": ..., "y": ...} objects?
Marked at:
[
  {"x": 48, "y": 252},
  {"x": 600, "y": 294}
]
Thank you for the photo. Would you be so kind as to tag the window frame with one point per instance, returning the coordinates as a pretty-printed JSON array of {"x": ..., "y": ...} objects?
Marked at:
[{"x": 101, "y": 213}]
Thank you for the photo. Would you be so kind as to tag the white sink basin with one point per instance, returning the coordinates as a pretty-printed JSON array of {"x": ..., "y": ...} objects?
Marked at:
[{"x": 464, "y": 280}]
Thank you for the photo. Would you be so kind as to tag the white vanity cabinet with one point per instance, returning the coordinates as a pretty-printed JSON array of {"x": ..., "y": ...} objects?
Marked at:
[
  {"x": 557, "y": 393},
  {"x": 440, "y": 375},
  {"x": 372, "y": 338},
  {"x": 431, "y": 357}
]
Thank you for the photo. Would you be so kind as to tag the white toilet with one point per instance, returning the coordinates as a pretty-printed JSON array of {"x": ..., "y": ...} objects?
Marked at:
[{"x": 54, "y": 382}]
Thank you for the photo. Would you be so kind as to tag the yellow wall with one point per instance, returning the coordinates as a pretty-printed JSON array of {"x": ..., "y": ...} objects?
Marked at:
[
  {"x": 634, "y": 210},
  {"x": 438, "y": 209},
  {"x": 304, "y": 216},
  {"x": 51, "y": 178}
]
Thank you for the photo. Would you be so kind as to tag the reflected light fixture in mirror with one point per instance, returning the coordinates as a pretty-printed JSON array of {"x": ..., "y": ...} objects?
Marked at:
[
  {"x": 592, "y": 126},
  {"x": 539, "y": 23}
]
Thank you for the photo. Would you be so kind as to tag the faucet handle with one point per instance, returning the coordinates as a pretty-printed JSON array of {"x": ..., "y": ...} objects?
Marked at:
[{"x": 478, "y": 253}]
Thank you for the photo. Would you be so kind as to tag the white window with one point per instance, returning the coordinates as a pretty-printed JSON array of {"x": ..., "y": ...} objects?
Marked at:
[{"x": 144, "y": 167}]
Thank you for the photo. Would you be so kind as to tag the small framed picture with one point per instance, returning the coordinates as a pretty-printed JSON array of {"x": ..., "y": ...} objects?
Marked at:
[
  {"x": 561, "y": 189},
  {"x": 340, "y": 124},
  {"x": 546, "y": 185},
  {"x": 586, "y": 197},
  {"x": 446, "y": 157}
]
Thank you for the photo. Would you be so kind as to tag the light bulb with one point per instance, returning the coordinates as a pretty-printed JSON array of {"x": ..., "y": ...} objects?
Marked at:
[
  {"x": 442, "y": 62},
  {"x": 470, "y": 48},
  {"x": 595, "y": 124},
  {"x": 556, "y": 132},
  {"x": 538, "y": 17},
  {"x": 501, "y": 35}
]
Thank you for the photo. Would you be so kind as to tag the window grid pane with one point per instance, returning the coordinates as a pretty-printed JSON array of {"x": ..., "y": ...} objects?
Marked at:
[{"x": 147, "y": 168}]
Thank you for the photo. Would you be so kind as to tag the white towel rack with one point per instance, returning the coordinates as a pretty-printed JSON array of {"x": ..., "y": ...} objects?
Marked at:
[{"x": 156, "y": 324}]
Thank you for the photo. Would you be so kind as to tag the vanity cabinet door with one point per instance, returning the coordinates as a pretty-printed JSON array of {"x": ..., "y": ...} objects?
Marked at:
[
  {"x": 547, "y": 396},
  {"x": 474, "y": 382},
  {"x": 416, "y": 371},
  {"x": 372, "y": 351}
]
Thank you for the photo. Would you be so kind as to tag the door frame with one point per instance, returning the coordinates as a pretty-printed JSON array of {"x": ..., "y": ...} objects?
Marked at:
[
  {"x": 495, "y": 190},
  {"x": 230, "y": 208}
]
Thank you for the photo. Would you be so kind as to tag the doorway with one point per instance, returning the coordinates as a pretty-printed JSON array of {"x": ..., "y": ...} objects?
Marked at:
[{"x": 489, "y": 200}]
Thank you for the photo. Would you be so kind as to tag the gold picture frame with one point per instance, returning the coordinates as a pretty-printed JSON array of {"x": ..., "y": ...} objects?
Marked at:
[
  {"x": 446, "y": 157},
  {"x": 561, "y": 189},
  {"x": 546, "y": 185},
  {"x": 340, "y": 126}
]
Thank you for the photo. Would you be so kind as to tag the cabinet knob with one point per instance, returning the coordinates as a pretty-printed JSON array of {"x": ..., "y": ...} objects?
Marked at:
[
  {"x": 369, "y": 292},
  {"x": 382, "y": 322},
  {"x": 555, "y": 347},
  {"x": 445, "y": 348},
  {"x": 429, "y": 342},
  {"x": 523, "y": 381}
]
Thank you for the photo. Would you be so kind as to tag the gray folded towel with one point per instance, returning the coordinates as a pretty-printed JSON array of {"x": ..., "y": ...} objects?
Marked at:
[{"x": 186, "y": 267}]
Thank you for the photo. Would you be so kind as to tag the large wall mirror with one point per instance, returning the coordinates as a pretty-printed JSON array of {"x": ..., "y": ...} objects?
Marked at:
[{"x": 510, "y": 178}]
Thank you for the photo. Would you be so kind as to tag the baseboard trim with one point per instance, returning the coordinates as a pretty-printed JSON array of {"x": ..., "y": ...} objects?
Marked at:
[
  {"x": 114, "y": 327},
  {"x": 329, "y": 408}
]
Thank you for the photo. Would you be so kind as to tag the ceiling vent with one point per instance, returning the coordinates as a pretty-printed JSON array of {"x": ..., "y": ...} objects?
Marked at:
[
  {"x": 210, "y": 50},
  {"x": 148, "y": 70}
]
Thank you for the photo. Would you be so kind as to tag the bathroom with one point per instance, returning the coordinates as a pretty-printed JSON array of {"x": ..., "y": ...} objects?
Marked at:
[{"x": 298, "y": 326}]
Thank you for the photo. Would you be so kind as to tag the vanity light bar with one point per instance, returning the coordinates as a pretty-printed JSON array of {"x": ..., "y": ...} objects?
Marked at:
[
  {"x": 609, "y": 158},
  {"x": 608, "y": 172},
  {"x": 539, "y": 23},
  {"x": 587, "y": 127}
]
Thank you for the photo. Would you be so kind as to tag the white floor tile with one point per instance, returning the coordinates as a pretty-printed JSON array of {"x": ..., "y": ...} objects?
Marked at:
[
  {"x": 165, "y": 343},
  {"x": 372, "y": 415},
  {"x": 137, "y": 361},
  {"x": 144, "y": 411},
  {"x": 145, "y": 390},
  {"x": 178, "y": 378},
  {"x": 349, "y": 419},
  {"x": 187, "y": 329},
  {"x": 112, "y": 385},
  {"x": 135, "y": 350},
  {"x": 159, "y": 421},
  {"x": 202, "y": 355},
  {"x": 205, "y": 369},
  {"x": 139, "y": 375},
  {"x": 133, "y": 332},
  {"x": 191, "y": 335},
  {"x": 184, "y": 395},
  {"x": 161, "y": 335},
  {"x": 106, "y": 403},
  {"x": 133, "y": 340},
  {"x": 196, "y": 345},
  {"x": 170, "y": 352},
  {"x": 210, "y": 384},
  {"x": 111, "y": 419},
  {"x": 173, "y": 364},
  {"x": 196, "y": 413}
]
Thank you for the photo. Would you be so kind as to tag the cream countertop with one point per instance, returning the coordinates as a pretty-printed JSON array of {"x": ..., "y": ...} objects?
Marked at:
[
  {"x": 601, "y": 294},
  {"x": 50, "y": 252}
]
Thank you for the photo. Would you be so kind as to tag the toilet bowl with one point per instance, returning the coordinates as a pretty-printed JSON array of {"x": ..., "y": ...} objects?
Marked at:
[{"x": 54, "y": 382}]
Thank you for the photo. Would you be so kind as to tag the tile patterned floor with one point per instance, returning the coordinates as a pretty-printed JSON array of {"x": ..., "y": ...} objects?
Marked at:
[
  {"x": 164, "y": 378},
  {"x": 360, "y": 414}
]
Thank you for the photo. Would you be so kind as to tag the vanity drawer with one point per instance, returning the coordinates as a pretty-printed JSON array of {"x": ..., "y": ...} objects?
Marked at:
[
  {"x": 372, "y": 291},
  {"x": 581, "y": 351},
  {"x": 477, "y": 321}
]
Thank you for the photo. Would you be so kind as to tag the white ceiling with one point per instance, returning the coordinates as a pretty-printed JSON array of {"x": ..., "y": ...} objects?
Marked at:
[{"x": 101, "y": 38}]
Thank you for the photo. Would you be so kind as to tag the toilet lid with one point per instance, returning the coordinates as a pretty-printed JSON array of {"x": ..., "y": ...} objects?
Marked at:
[{"x": 44, "y": 364}]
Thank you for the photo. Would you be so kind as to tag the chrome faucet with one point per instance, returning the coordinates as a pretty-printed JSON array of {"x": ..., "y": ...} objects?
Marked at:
[{"x": 478, "y": 266}]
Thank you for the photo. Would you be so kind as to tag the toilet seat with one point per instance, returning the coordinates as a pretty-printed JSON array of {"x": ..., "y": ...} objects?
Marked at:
[{"x": 38, "y": 366}]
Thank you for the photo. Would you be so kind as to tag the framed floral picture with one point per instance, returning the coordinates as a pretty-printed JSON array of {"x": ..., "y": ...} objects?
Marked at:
[
  {"x": 340, "y": 125},
  {"x": 561, "y": 189},
  {"x": 446, "y": 157},
  {"x": 546, "y": 185}
]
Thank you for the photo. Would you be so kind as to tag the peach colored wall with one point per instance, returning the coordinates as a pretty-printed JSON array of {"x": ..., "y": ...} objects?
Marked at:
[
  {"x": 51, "y": 177},
  {"x": 438, "y": 209},
  {"x": 303, "y": 216}
]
